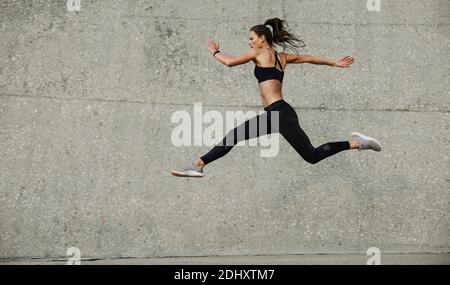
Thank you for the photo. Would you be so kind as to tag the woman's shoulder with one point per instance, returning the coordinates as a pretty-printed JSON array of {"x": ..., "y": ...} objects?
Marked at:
[
  {"x": 258, "y": 53},
  {"x": 262, "y": 52}
]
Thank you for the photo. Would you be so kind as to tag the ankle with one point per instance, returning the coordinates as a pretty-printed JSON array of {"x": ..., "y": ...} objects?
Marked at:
[
  {"x": 198, "y": 163},
  {"x": 354, "y": 144}
]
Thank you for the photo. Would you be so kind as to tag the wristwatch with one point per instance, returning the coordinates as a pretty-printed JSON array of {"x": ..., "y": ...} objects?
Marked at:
[{"x": 216, "y": 52}]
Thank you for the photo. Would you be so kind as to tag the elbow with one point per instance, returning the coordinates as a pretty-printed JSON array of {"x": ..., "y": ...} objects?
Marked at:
[{"x": 230, "y": 62}]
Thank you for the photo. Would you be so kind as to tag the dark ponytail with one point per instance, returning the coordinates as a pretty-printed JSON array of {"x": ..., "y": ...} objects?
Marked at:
[{"x": 281, "y": 34}]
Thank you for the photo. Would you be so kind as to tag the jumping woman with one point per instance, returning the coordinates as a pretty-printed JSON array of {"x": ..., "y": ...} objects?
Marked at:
[{"x": 269, "y": 71}]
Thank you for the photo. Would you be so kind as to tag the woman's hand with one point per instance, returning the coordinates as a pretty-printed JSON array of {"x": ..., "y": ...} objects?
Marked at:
[
  {"x": 212, "y": 46},
  {"x": 344, "y": 61}
]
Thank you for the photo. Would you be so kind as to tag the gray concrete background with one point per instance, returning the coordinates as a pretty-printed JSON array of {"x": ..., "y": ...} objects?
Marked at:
[{"x": 85, "y": 105}]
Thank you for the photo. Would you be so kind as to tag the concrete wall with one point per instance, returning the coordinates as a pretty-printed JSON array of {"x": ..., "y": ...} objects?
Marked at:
[{"x": 86, "y": 100}]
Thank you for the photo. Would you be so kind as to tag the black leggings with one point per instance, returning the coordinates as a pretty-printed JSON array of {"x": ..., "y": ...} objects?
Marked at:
[{"x": 289, "y": 128}]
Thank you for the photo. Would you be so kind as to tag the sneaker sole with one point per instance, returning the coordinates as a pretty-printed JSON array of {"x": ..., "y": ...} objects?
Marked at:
[
  {"x": 368, "y": 139},
  {"x": 189, "y": 173}
]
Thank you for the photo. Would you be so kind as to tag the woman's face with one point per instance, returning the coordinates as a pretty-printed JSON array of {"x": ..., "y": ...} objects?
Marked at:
[{"x": 254, "y": 41}]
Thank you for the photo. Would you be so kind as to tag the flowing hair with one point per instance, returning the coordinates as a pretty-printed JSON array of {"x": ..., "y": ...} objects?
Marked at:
[{"x": 281, "y": 35}]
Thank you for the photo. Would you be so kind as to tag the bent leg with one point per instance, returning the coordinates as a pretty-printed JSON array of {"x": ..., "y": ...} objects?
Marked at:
[
  {"x": 252, "y": 128},
  {"x": 297, "y": 138}
]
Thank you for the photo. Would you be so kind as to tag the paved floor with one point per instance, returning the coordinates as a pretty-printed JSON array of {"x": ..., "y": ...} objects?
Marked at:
[{"x": 334, "y": 259}]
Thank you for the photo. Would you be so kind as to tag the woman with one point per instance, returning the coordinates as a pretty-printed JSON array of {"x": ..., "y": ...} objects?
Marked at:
[{"x": 269, "y": 71}]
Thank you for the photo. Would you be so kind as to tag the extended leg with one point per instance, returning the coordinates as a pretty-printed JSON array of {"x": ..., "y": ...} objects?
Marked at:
[{"x": 252, "y": 128}]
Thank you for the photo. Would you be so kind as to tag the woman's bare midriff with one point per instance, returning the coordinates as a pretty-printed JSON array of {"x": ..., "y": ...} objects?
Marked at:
[{"x": 270, "y": 91}]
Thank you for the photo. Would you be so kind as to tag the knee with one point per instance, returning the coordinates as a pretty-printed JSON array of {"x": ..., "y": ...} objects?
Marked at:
[
  {"x": 310, "y": 157},
  {"x": 312, "y": 160}
]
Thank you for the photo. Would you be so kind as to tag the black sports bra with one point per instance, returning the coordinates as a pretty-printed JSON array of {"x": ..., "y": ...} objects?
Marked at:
[{"x": 266, "y": 73}]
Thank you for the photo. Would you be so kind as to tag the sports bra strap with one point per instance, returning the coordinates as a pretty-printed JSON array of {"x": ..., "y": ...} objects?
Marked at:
[{"x": 276, "y": 60}]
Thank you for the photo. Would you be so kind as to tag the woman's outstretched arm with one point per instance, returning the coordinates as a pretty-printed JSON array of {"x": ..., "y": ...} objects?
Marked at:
[
  {"x": 230, "y": 60},
  {"x": 344, "y": 61}
]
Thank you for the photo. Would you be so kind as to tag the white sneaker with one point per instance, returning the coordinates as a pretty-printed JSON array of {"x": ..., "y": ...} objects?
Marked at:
[
  {"x": 189, "y": 171},
  {"x": 366, "y": 142}
]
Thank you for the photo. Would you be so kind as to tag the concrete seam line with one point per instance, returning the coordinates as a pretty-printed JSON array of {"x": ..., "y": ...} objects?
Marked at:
[{"x": 228, "y": 105}]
